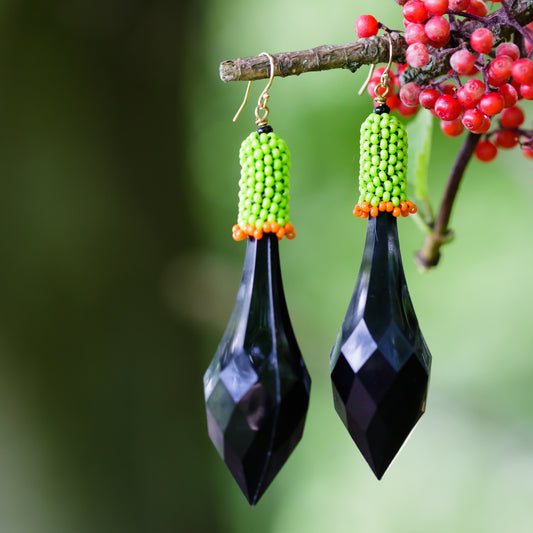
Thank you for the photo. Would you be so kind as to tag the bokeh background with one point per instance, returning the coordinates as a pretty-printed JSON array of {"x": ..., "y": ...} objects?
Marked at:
[{"x": 118, "y": 274}]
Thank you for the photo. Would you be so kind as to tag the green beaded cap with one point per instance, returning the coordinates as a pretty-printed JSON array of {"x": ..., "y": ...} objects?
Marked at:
[
  {"x": 264, "y": 184},
  {"x": 383, "y": 160}
]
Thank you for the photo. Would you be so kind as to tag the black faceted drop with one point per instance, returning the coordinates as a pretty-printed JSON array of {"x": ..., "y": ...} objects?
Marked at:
[
  {"x": 257, "y": 386},
  {"x": 380, "y": 363}
]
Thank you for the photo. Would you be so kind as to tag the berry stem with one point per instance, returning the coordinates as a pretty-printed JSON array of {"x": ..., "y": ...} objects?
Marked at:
[
  {"x": 429, "y": 255},
  {"x": 466, "y": 15}
]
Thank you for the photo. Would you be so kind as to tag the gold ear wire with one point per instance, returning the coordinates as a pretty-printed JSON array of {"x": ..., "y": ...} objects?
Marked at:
[
  {"x": 383, "y": 82},
  {"x": 263, "y": 97}
]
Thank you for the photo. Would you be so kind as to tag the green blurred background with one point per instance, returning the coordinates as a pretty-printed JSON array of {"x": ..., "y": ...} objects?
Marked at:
[{"x": 118, "y": 274}]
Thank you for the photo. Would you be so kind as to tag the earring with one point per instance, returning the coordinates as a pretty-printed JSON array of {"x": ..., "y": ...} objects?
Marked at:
[
  {"x": 380, "y": 363},
  {"x": 257, "y": 386}
]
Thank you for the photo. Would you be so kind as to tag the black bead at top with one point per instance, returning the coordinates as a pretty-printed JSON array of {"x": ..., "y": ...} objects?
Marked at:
[
  {"x": 380, "y": 109},
  {"x": 264, "y": 129}
]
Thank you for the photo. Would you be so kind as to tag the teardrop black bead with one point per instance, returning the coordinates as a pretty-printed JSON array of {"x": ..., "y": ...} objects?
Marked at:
[
  {"x": 257, "y": 386},
  {"x": 380, "y": 363}
]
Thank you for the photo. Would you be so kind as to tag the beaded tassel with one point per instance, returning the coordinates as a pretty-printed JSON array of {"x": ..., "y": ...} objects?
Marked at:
[
  {"x": 383, "y": 167},
  {"x": 264, "y": 187}
]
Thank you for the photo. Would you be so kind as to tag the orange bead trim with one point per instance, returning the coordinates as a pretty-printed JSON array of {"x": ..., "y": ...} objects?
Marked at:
[
  {"x": 365, "y": 209},
  {"x": 249, "y": 230}
]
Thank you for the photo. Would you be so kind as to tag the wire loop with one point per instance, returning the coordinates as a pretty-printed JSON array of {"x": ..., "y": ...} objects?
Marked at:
[{"x": 260, "y": 119}]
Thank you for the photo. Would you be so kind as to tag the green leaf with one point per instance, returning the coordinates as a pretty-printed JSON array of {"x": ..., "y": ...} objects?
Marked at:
[{"x": 419, "y": 132}]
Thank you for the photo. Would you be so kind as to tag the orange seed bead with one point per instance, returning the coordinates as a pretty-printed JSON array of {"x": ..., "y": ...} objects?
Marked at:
[{"x": 396, "y": 212}]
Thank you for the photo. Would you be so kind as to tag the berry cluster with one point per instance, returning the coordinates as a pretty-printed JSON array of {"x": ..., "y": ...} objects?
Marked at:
[
  {"x": 485, "y": 81},
  {"x": 264, "y": 188}
]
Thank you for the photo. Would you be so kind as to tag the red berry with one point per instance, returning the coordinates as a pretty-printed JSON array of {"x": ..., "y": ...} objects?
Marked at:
[
  {"x": 491, "y": 104},
  {"x": 527, "y": 151},
  {"x": 526, "y": 91},
  {"x": 485, "y": 125},
  {"x": 482, "y": 40},
  {"x": 510, "y": 96},
  {"x": 366, "y": 26},
  {"x": 512, "y": 117},
  {"x": 506, "y": 139},
  {"x": 415, "y": 11},
  {"x": 486, "y": 151},
  {"x": 508, "y": 49},
  {"x": 436, "y": 7},
  {"x": 428, "y": 97},
  {"x": 476, "y": 88},
  {"x": 417, "y": 55},
  {"x": 414, "y": 33},
  {"x": 462, "y": 62},
  {"x": 464, "y": 99},
  {"x": 371, "y": 88},
  {"x": 393, "y": 101},
  {"x": 522, "y": 71},
  {"x": 500, "y": 70},
  {"x": 407, "y": 110},
  {"x": 447, "y": 107},
  {"x": 458, "y": 5},
  {"x": 452, "y": 128},
  {"x": 470, "y": 93},
  {"x": 473, "y": 119},
  {"x": 448, "y": 88},
  {"x": 438, "y": 30},
  {"x": 409, "y": 94},
  {"x": 516, "y": 86},
  {"x": 478, "y": 8}
]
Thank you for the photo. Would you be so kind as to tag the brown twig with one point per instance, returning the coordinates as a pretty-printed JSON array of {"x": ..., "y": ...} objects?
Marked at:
[{"x": 350, "y": 56}]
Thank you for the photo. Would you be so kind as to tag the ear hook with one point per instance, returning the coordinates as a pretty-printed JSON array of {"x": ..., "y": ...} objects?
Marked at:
[
  {"x": 383, "y": 82},
  {"x": 263, "y": 97}
]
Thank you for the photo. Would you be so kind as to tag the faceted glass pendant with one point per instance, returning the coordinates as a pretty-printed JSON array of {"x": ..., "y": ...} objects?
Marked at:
[
  {"x": 257, "y": 386},
  {"x": 380, "y": 363}
]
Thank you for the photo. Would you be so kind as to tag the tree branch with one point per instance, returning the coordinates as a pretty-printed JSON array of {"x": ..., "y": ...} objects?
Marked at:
[
  {"x": 350, "y": 55},
  {"x": 367, "y": 51}
]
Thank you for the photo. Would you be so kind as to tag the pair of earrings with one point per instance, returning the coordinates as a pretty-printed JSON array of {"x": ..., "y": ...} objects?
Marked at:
[{"x": 257, "y": 386}]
